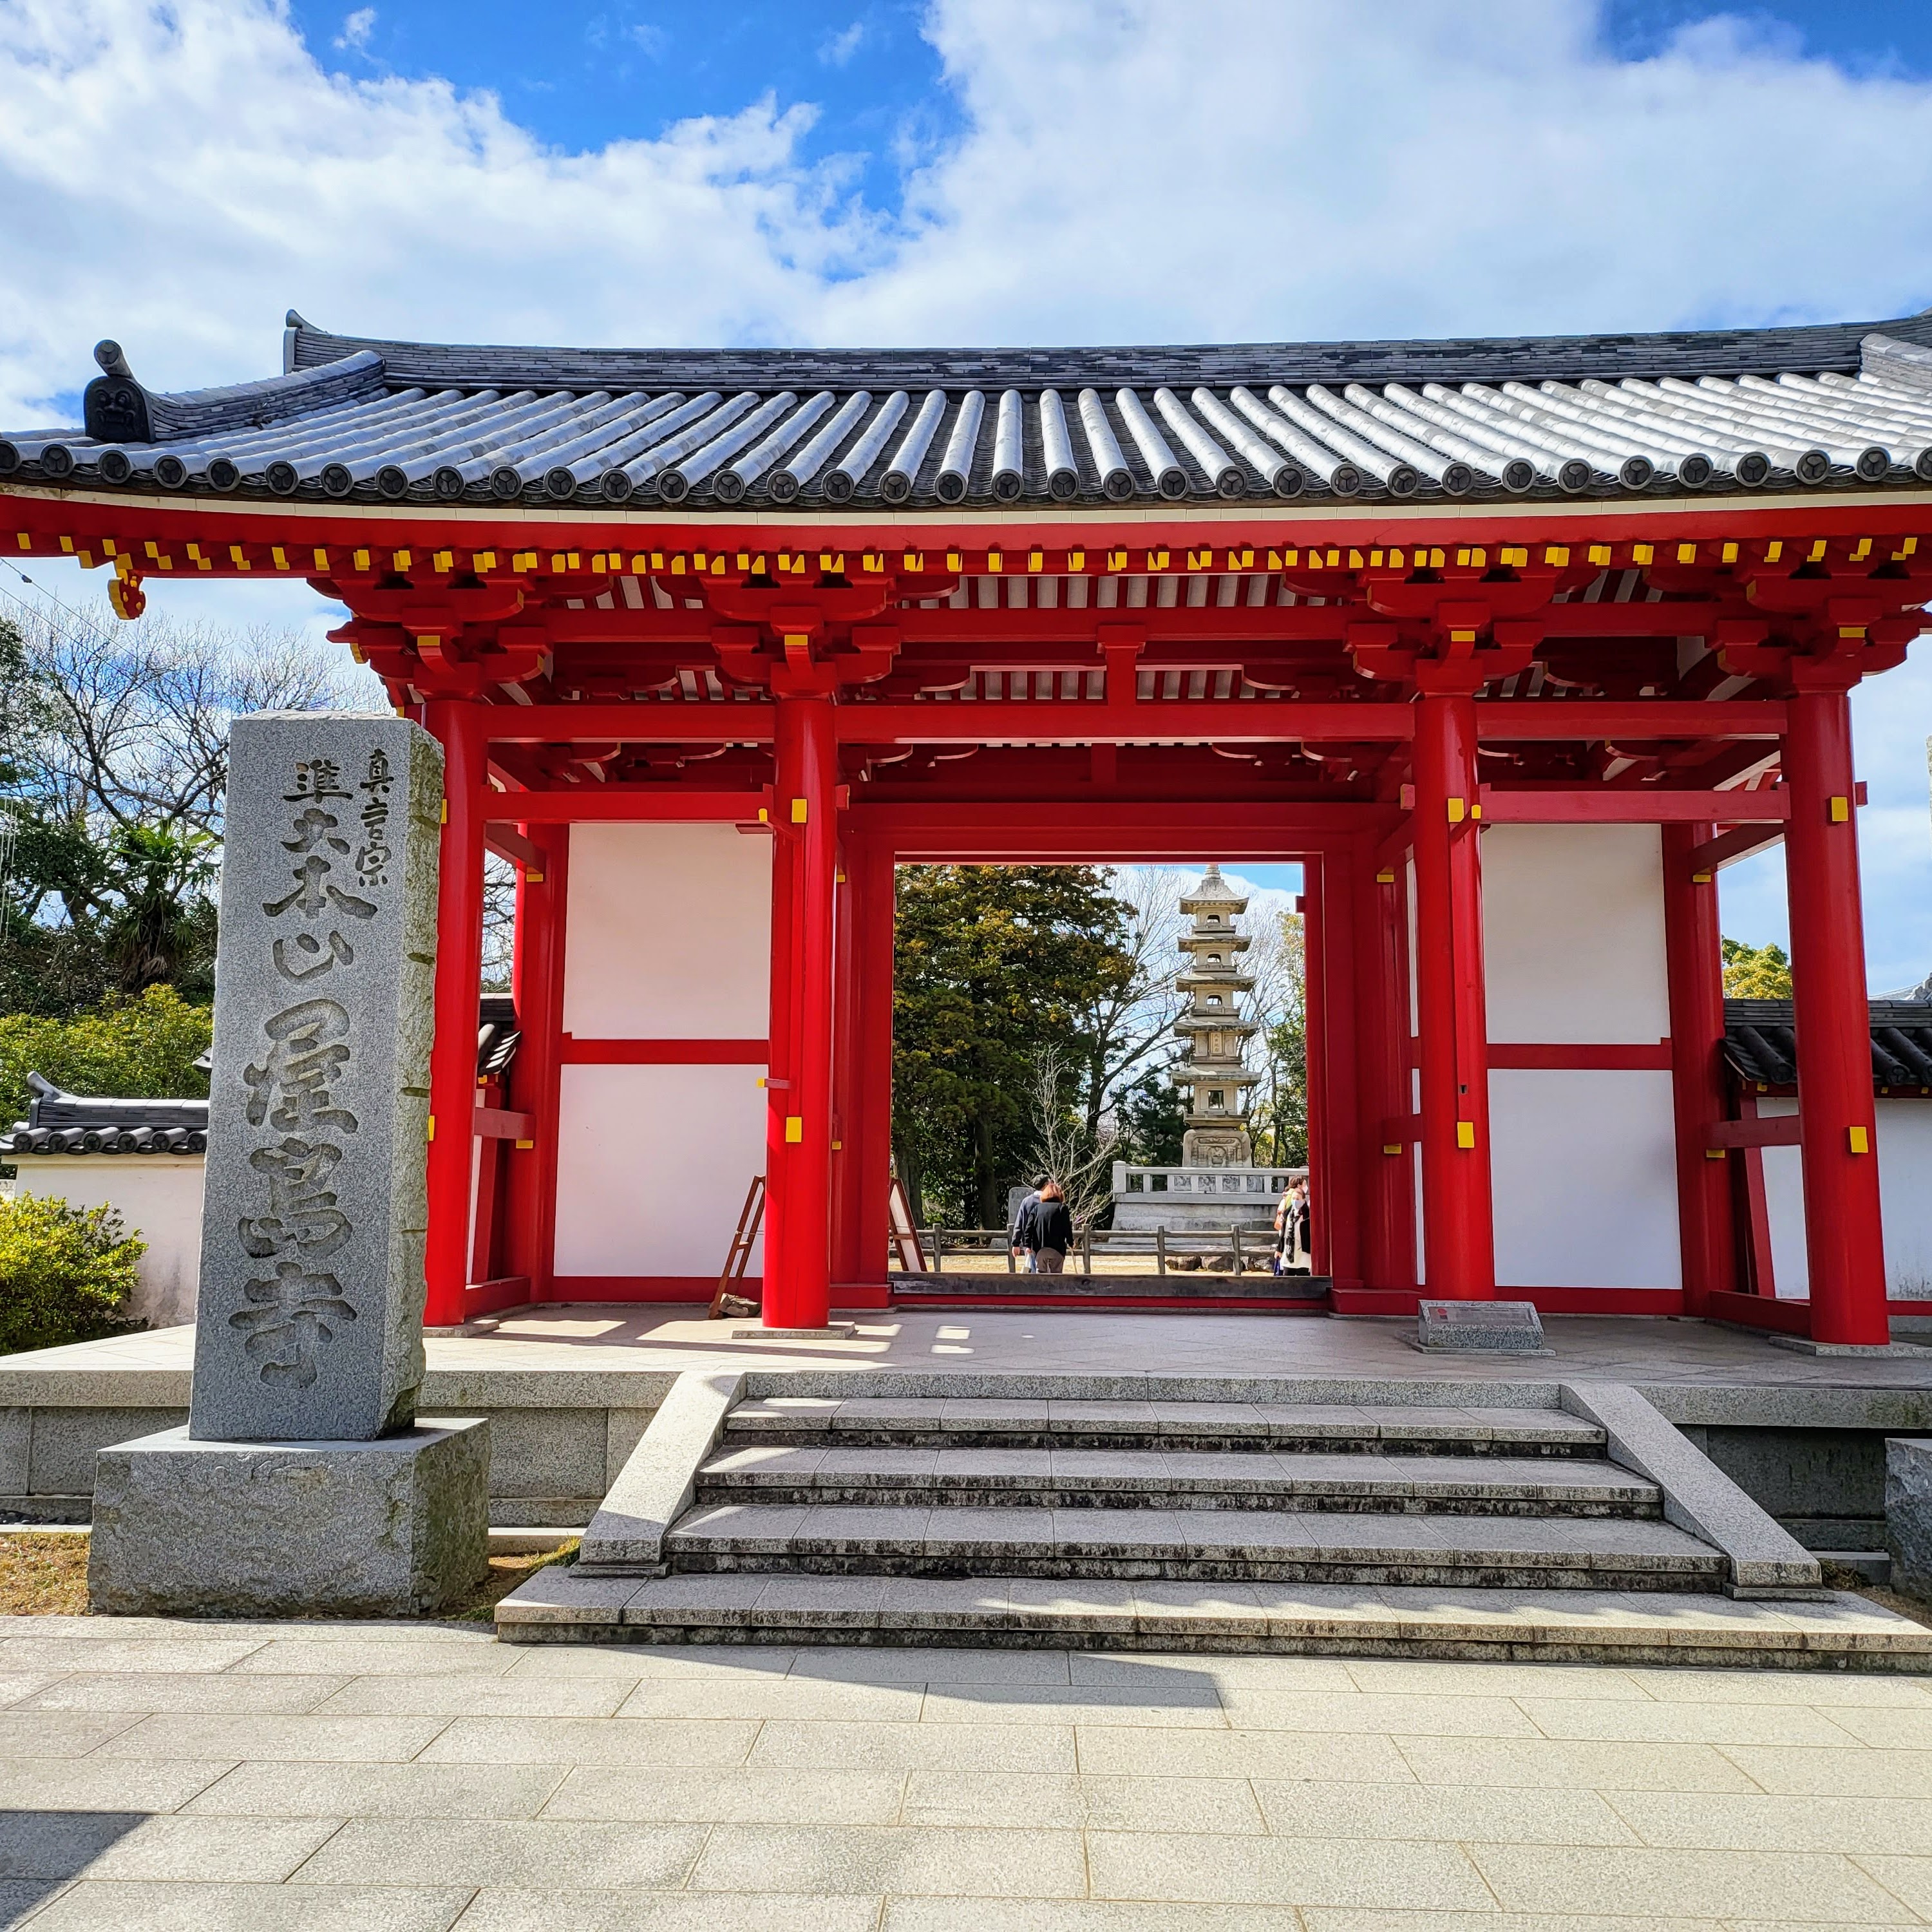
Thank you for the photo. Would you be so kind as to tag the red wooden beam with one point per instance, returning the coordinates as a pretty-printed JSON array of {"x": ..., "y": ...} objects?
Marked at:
[
  {"x": 1563, "y": 1056},
  {"x": 1767, "y": 1130},
  {"x": 512, "y": 845},
  {"x": 1644, "y": 807},
  {"x": 587, "y": 804},
  {"x": 1226, "y": 722},
  {"x": 576, "y": 1051},
  {"x": 504, "y": 1123},
  {"x": 1728, "y": 848},
  {"x": 645, "y": 724},
  {"x": 1102, "y": 831},
  {"x": 1558, "y": 719}
]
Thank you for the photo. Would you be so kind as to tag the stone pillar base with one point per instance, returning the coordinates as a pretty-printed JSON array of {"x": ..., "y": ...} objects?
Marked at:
[{"x": 395, "y": 1527}]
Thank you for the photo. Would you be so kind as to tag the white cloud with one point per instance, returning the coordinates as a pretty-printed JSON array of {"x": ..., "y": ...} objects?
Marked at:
[
  {"x": 356, "y": 30},
  {"x": 176, "y": 174},
  {"x": 837, "y": 48}
]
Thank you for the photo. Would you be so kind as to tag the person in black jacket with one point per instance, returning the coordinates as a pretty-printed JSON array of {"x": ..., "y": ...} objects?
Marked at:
[
  {"x": 1018, "y": 1236},
  {"x": 1049, "y": 1231}
]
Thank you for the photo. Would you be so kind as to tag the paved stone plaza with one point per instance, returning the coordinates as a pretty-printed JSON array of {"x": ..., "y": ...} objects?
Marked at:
[{"x": 390, "y": 1777}]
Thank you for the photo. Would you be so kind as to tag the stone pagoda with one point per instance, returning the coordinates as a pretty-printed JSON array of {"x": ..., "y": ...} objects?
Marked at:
[
  {"x": 1214, "y": 1075},
  {"x": 1217, "y": 1187}
]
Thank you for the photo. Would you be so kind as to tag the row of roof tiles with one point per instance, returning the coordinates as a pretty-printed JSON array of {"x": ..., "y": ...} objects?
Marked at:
[{"x": 344, "y": 430}]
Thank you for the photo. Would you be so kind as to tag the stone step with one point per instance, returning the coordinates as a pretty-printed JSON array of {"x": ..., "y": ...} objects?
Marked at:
[
  {"x": 1231, "y": 1479},
  {"x": 881, "y": 1540},
  {"x": 1337, "y": 1428},
  {"x": 1664, "y": 1626},
  {"x": 1181, "y": 1285}
]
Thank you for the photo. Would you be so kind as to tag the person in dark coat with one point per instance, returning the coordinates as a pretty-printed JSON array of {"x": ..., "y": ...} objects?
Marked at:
[
  {"x": 1050, "y": 1231},
  {"x": 1018, "y": 1236}
]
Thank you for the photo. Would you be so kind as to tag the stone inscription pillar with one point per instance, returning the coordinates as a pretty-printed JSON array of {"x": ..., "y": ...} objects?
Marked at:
[{"x": 309, "y": 1322}]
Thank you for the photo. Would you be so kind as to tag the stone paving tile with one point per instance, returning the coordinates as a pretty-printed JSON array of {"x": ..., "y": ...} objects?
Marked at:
[
  {"x": 99, "y": 1653},
  {"x": 498, "y": 1909},
  {"x": 64, "y": 1733},
  {"x": 957, "y": 1864},
  {"x": 1687, "y": 1684},
  {"x": 1358, "y": 1758},
  {"x": 301, "y": 1738},
  {"x": 1303, "y": 1810},
  {"x": 1444, "y": 1677},
  {"x": 1321, "y": 1918},
  {"x": 291, "y": 1656},
  {"x": 379, "y": 1791},
  {"x": 1692, "y": 1723},
  {"x": 1281, "y": 1871},
  {"x": 893, "y": 1663},
  {"x": 103, "y": 1784},
  {"x": 1909, "y": 1878},
  {"x": 1908, "y": 1730},
  {"x": 175, "y": 1906},
  {"x": 750, "y": 1796},
  {"x": 1855, "y": 1772},
  {"x": 526, "y": 1852},
  {"x": 1250, "y": 1708},
  {"x": 940, "y": 1798},
  {"x": 1734, "y": 1823},
  {"x": 16, "y": 1686},
  {"x": 1562, "y": 1764},
  {"x": 1115, "y": 1668},
  {"x": 1804, "y": 1887},
  {"x": 245, "y": 1851},
  {"x": 161, "y": 1690},
  {"x": 1144, "y": 1708},
  {"x": 466, "y": 1694},
  {"x": 756, "y": 1662},
  {"x": 587, "y": 1741},
  {"x": 798, "y": 1697},
  {"x": 1067, "y": 1914},
  {"x": 803, "y": 1746}
]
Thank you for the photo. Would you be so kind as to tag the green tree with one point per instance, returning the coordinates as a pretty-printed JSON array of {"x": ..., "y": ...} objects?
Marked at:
[
  {"x": 1755, "y": 972},
  {"x": 1152, "y": 1120},
  {"x": 994, "y": 963},
  {"x": 1280, "y": 1119},
  {"x": 65, "y": 1273},
  {"x": 144, "y": 1048}
]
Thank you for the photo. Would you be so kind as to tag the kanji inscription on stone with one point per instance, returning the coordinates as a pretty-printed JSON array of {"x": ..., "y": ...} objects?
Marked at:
[{"x": 309, "y": 1325}]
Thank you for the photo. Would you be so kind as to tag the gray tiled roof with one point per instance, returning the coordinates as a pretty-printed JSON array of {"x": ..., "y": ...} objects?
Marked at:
[
  {"x": 1761, "y": 1043},
  {"x": 1663, "y": 415},
  {"x": 58, "y": 1122}
]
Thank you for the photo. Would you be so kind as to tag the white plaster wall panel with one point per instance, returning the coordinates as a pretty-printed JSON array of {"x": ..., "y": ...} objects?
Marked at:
[
  {"x": 652, "y": 1166},
  {"x": 1784, "y": 1205},
  {"x": 158, "y": 1197},
  {"x": 1583, "y": 1169},
  {"x": 1572, "y": 933},
  {"x": 668, "y": 933},
  {"x": 1905, "y": 1200}
]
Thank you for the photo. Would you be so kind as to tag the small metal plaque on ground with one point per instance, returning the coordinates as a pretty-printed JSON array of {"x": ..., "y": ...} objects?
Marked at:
[{"x": 1480, "y": 1327}]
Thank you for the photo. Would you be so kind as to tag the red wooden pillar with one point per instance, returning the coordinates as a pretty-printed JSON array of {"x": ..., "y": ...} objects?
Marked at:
[
  {"x": 781, "y": 1066},
  {"x": 1844, "y": 1245},
  {"x": 797, "y": 1276},
  {"x": 1334, "y": 972},
  {"x": 536, "y": 984},
  {"x": 1458, "y": 1230},
  {"x": 1695, "y": 967},
  {"x": 456, "y": 723},
  {"x": 844, "y": 1023},
  {"x": 1314, "y": 997},
  {"x": 869, "y": 1115},
  {"x": 1380, "y": 911}
]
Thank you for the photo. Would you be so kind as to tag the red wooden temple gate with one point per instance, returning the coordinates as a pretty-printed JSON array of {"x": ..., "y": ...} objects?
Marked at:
[{"x": 1417, "y": 591}]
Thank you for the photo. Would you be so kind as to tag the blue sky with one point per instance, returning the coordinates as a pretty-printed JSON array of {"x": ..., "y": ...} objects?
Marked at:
[{"x": 967, "y": 171}]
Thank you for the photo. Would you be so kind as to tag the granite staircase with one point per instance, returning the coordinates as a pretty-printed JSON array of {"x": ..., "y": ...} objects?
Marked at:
[
  {"x": 1505, "y": 1519},
  {"x": 896, "y": 1492}
]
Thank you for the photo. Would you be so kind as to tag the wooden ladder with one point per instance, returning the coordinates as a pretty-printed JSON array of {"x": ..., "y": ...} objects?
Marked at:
[
  {"x": 905, "y": 1230},
  {"x": 751, "y": 1216}
]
